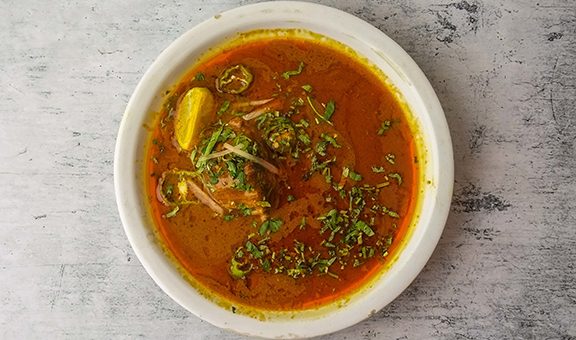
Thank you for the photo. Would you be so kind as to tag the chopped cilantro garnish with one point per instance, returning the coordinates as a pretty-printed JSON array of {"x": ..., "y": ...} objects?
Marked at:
[
  {"x": 323, "y": 144},
  {"x": 329, "y": 110},
  {"x": 265, "y": 265},
  {"x": 364, "y": 227},
  {"x": 172, "y": 212},
  {"x": 244, "y": 210},
  {"x": 289, "y": 74},
  {"x": 345, "y": 172},
  {"x": 275, "y": 225},
  {"x": 388, "y": 240},
  {"x": 385, "y": 126},
  {"x": 327, "y": 175},
  {"x": 257, "y": 253},
  {"x": 396, "y": 176},
  {"x": 307, "y": 88},
  {"x": 321, "y": 148},
  {"x": 225, "y": 106},
  {"x": 309, "y": 99},
  {"x": 302, "y": 223},
  {"x": 303, "y": 122},
  {"x": 199, "y": 76},
  {"x": 304, "y": 138},
  {"x": 271, "y": 226},
  {"x": 211, "y": 143},
  {"x": 355, "y": 176},
  {"x": 378, "y": 169},
  {"x": 330, "y": 139}
]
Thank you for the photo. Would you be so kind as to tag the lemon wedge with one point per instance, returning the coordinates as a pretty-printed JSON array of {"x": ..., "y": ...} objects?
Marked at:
[{"x": 192, "y": 114}]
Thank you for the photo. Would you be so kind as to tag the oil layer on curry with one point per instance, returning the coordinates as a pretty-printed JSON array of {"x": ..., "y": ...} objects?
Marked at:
[{"x": 282, "y": 173}]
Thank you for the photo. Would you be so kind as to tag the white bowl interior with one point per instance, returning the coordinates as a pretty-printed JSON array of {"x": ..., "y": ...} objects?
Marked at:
[{"x": 367, "y": 41}]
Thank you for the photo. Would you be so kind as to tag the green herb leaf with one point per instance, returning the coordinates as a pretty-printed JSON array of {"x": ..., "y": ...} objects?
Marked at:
[
  {"x": 327, "y": 175},
  {"x": 329, "y": 110},
  {"x": 355, "y": 176},
  {"x": 228, "y": 217},
  {"x": 328, "y": 244},
  {"x": 304, "y": 138},
  {"x": 275, "y": 225},
  {"x": 321, "y": 148},
  {"x": 345, "y": 172},
  {"x": 307, "y": 88},
  {"x": 172, "y": 212},
  {"x": 330, "y": 139},
  {"x": 289, "y": 74},
  {"x": 257, "y": 253},
  {"x": 225, "y": 106},
  {"x": 378, "y": 169},
  {"x": 309, "y": 99},
  {"x": 290, "y": 198},
  {"x": 396, "y": 176},
  {"x": 265, "y": 265},
  {"x": 244, "y": 209},
  {"x": 388, "y": 241},
  {"x": 263, "y": 227},
  {"x": 211, "y": 143},
  {"x": 199, "y": 76},
  {"x": 364, "y": 227},
  {"x": 303, "y": 122},
  {"x": 385, "y": 126},
  {"x": 302, "y": 223},
  {"x": 271, "y": 225}
]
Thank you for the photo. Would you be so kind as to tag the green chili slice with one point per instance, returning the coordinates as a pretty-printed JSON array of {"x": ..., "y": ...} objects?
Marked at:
[{"x": 235, "y": 79}]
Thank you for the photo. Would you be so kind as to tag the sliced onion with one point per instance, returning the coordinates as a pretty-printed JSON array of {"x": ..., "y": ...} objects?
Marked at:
[
  {"x": 216, "y": 154},
  {"x": 267, "y": 165},
  {"x": 256, "y": 113},
  {"x": 204, "y": 198},
  {"x": 255, "y": 102},
  {"x": 159, "y": 193}
]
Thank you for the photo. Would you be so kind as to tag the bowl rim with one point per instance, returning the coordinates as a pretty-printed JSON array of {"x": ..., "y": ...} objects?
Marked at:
[{"x": 316, "y": 18}]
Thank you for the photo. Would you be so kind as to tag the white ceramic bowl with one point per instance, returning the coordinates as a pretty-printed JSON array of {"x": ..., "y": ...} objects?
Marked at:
[{"x": 366, "y": 40}]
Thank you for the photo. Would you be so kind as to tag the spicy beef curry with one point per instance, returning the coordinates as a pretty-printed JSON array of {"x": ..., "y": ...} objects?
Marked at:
[{"x": 282, "y": 173}]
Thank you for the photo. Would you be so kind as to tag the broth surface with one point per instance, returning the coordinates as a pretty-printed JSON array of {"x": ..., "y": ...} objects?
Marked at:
[{"x": 340, "y": 203}]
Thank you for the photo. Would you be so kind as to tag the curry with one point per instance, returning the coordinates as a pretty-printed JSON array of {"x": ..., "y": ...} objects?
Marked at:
[{"x": 282, "y": 173}]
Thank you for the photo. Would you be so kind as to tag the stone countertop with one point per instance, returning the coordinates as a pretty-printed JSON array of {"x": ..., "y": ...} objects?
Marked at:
[{"x": 503, "y": 70}]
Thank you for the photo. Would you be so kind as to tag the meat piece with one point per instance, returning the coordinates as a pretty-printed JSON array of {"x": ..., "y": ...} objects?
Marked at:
[
  {"x": 251, "y": 193},
  {"x": 234, "y": 180}
]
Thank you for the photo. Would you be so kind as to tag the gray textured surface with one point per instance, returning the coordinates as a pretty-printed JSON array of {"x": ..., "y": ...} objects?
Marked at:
[{"x": 505, "y": 74}]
